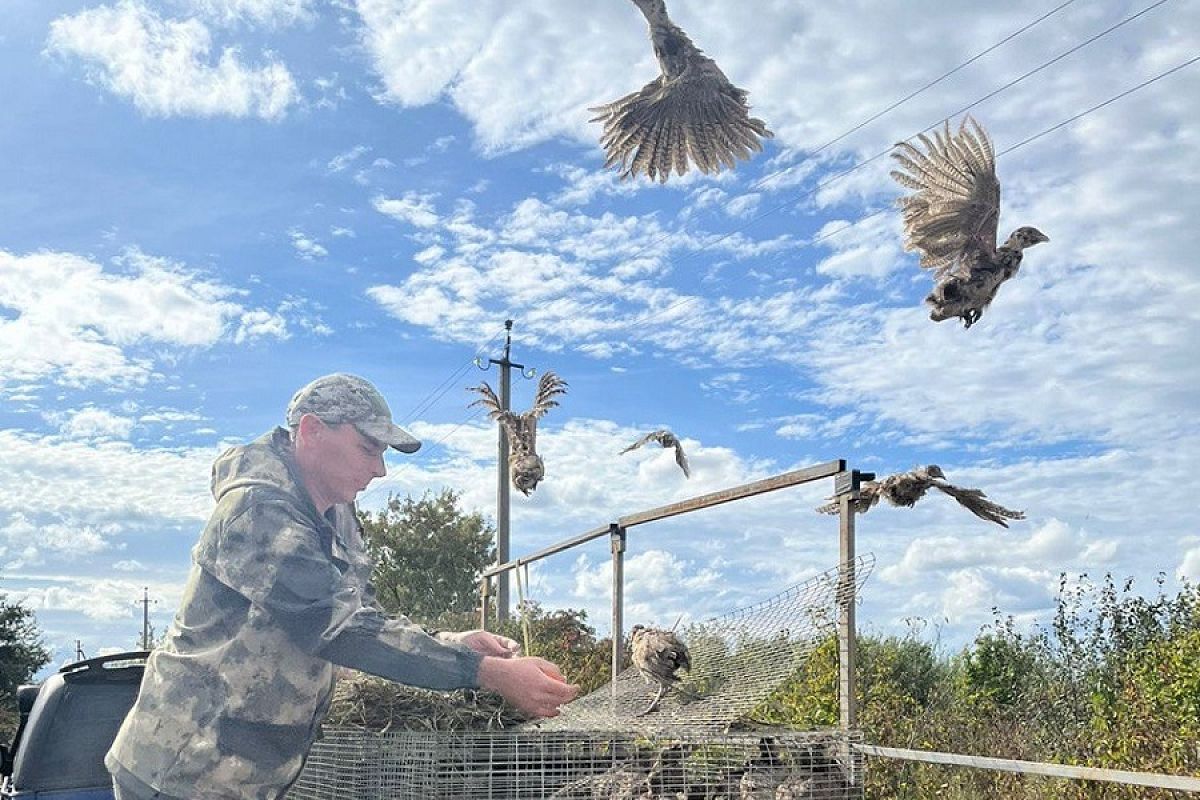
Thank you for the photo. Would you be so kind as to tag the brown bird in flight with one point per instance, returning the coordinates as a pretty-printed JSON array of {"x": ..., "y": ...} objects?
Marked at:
[
  {"x": 951, "y": 219},
  {"x": 525, "y": 466},
  {"x": 659, "y": 655},
  {"x": 667, "y": 439},
  {"x": 689, "y": 114},
  {"x": 906, "y": 488}
]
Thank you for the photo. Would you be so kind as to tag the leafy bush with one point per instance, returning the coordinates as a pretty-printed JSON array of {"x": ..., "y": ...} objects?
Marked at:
[{"x": 1113, "y": 682}]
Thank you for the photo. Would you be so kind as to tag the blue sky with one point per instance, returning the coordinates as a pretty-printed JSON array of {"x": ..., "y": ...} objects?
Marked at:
[{"x": 206, "y": 204}]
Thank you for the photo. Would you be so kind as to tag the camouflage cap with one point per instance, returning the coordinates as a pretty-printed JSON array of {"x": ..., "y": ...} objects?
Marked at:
[{"x": 342, "y": 398}]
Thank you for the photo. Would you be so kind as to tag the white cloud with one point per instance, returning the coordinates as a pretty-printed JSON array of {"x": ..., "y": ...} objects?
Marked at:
[
  {"x": 104, "y": 599},
  {"x": 744, "y": 205},
  {"x": 259, "y": 324},
  {"x": 78, "y": 323},
  {"x": 97, "y": 481},
  {"x": 341, "y": 161},
  {"x": 413, "y": 208},
  {"x": 165, "y": 66},
  {"x": 1189, "y": 568},
  {"x": 258, "y": 12},
  {"x": 95, "y": 423},
  {"x": 307, "y": 247},
  {"x": 25, "y": 539}
]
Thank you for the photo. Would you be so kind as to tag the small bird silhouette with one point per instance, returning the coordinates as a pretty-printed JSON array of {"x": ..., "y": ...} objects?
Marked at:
[
  {"x": 951, "y": 219},
  {"x": 525, "y": 466},
  {"x": 906, "y": 488},
  {"x": 659, "y": 655},
  {"x": 689, "y": 113},
  {"x": 667, "y": 439}
]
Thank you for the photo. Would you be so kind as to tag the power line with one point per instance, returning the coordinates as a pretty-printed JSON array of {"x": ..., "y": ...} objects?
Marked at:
[
  {"x": 1099, "y": 106},
  {"x": 838, "y": 176},
  {"x": 440, "y": 390},
  {"x": 929, "y": 85},
  {"x": 896, "y": 104}
]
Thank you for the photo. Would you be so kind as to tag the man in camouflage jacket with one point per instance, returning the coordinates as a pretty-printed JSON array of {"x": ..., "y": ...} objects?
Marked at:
[{"x": 277, "y": 597}]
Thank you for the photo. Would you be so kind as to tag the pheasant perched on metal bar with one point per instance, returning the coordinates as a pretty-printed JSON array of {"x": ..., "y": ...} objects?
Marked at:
[
  {"x": 689, "y": 114},
  {"x": 659, "y": 655},
  {"x": 951, "y": 219},
  {"x": 525, "y": 466},
  {"x": 906, "y": 488},
  {"x": 667, "y": 439}
]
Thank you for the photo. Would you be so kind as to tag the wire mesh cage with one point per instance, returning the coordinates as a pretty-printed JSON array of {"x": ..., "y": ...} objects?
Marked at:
[
  {"x": 576, "y": 765},
  {"x": 699, "y": 743},
  {"x": 737, "y": 660}
]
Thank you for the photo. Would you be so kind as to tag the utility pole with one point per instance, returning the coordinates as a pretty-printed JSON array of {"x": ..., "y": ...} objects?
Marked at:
[
  {"x": 502, "y": 495},
  {"x": 146, "y": 617}
]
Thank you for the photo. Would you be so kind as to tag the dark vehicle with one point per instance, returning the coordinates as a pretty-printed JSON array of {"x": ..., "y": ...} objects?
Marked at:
[{"x": 67, "y": 724}]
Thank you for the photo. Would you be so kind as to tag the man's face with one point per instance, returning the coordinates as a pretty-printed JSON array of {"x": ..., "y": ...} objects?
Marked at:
[{"x": 347, "y": 461}]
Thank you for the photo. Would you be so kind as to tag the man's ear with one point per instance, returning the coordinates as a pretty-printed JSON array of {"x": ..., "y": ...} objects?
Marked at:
[{"x": 310, "y": 427}]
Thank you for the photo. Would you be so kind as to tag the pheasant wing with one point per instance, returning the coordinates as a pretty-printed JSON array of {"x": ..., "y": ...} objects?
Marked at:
[
  {"x": 952, "y": 214},
  {"x": 549, "y": 387},
  {"x": 975, "y": 501},
  {"x": 488, "y": 399},
  {"x": 868, "y": 496},
  {"x": 698, "y": 118},
  {"x": 649, "y": 437},
  {"x": 681, "y": 459}
]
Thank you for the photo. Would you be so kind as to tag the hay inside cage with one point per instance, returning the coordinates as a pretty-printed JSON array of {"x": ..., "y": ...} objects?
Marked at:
[{"x": 387, "y": 741}]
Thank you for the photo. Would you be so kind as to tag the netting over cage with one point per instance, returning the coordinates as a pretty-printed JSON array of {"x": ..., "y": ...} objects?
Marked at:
[
  {"x": 738, "y": 659},
  {"x": 701, "y": 745},
  {"x": 764, "y": 765}
]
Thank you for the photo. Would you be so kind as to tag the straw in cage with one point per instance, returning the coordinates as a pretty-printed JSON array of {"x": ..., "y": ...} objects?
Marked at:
[{"x": 375, "y": 704}]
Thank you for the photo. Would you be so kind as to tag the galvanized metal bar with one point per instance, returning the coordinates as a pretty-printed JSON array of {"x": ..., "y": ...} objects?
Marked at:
[
  {"x": 1156, "y": 779},
  {"x": 565, "y": 544},
  {"x": 782, "y": 481},
  {"x": 847, "y": 637},
  {"x": 617, "y": 544}
]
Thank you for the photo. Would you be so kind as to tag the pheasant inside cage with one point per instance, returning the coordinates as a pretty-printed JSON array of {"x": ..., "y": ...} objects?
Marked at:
[
  {"x": 700, "y": 741},
  {"x": 581, "y": 765},
  {"x": 735, "y": 661}
]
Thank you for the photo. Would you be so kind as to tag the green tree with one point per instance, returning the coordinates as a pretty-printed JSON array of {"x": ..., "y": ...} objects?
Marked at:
[
  {"x": 22, "y": 654},
  {"x": 429, "y": 555}
]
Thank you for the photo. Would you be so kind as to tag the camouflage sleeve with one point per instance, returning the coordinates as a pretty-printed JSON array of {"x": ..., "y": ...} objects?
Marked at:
[{"x": 272, "y": 555}]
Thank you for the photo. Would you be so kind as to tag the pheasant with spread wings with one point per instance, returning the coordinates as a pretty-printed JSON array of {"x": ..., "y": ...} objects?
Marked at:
[
  {"x": 951, "y": 218},
  {"x": 667, "y": 439},
  {"x": 689, "y": 114},
  {"x": 525, "y": 466},
  {"x": 906, "y": 488}
]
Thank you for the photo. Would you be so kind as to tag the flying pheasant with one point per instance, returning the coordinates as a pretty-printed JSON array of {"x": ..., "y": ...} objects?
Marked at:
[
  {"x": 658, "y": 655},
  {"x": 689, "y": 114},
  {"x": 951, "y": 219},
  {"x": 525, "y": 466},
  {"x": 906, "y": 488},
  {"x": 667, "y": 439}
]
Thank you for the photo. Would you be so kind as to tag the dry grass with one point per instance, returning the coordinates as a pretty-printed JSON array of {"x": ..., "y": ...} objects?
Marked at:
[{"x": 375, "y": 704}]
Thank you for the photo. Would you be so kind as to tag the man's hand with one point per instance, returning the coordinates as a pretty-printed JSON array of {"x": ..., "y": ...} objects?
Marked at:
[
  {"x": 533, "y": 685},
  {"x": 484, "y": 643}
]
